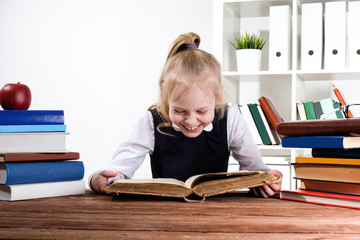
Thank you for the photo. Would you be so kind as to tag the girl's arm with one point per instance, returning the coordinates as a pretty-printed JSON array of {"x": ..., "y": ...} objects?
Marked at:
[{"x": 128, "y": 156}]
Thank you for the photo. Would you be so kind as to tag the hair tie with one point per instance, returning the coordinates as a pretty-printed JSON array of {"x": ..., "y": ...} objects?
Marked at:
[{"x": 191, "y": 46}]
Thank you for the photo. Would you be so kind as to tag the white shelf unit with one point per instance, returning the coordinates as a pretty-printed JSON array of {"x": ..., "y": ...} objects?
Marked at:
[{"x": 284, "y": 88}]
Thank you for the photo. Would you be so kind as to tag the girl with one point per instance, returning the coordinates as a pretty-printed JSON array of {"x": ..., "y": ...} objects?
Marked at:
[{"x": 190, "y": 131}]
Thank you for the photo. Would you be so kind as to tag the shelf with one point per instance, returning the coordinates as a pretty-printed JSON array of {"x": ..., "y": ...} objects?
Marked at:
[{"x": 328, "y": 75}]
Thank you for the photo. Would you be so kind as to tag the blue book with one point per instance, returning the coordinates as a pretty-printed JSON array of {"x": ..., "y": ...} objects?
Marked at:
[
  {"x": 31, "y": 117},
  {"x": 321, "y": 142},
  {"x": 32, "y": 128},
  {"x": 39, "y": 172}
]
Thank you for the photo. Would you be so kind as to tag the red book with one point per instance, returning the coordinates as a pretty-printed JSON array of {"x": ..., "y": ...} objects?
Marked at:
[
  {"x": 322, "y": 198},
  {"x": 34, "y": 157},
  {"x": 270, "y": 112}
]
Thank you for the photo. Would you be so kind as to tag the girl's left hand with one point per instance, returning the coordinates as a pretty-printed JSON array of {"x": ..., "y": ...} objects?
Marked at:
[{"x": 269, "y": 190}]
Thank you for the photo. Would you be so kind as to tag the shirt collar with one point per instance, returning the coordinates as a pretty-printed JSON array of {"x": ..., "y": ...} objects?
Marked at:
[{"x": 208, "y": 128}]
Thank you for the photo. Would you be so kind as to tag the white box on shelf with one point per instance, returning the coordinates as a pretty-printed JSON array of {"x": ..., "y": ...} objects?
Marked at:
[
  {"x": 354, "y": 35},
  {"x": 311, "y": 36},
  {"x": 280, "y": 38},
  {"x": 335, "y": 35}
]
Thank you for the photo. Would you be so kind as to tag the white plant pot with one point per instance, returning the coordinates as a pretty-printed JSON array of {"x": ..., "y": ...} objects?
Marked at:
[{"x": 248, "y": 60}]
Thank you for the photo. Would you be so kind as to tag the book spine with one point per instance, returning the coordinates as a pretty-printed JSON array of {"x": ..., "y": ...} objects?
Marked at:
[
  {"x": 34, "y": 157},
  {"x": 259, "y": 124},
  {"x": 31, "y": 117},
  {"x": 38, "y": 172},
  {"x": 32, "y": 128},
  {"x": 309, "y": 110},
  {"x": 336, "y": 153}
]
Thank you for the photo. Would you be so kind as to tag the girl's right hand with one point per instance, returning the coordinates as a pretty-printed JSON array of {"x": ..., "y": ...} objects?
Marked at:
[{"x": 100, "y": 180}]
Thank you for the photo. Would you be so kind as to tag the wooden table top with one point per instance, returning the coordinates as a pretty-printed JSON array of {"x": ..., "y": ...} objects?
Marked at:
[{"x": 229, "y": 216}]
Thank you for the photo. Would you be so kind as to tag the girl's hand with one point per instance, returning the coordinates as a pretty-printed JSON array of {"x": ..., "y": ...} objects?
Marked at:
[
  {"x": 100, "y": 180},
  {"x": 269, "y": 190}
]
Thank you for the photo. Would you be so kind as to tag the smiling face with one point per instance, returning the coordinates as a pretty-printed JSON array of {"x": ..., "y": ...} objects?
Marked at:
[{"x": 192, "y": 110}]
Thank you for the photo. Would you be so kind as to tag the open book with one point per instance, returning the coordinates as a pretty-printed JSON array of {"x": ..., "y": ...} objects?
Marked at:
[{"x": 196, "y": 187}]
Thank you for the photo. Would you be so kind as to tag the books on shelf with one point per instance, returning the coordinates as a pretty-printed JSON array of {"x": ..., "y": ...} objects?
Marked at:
[
  {"x": 321, "y": 142},
  {"x": 41, "y": 190},
  {"x": 309, "y": 110},
  {"x": 196, "y": 187},
  {"x": 259, "y": 123},
  {"x": 271, "y": 112},
  {"x": 31, "y": 117},
  {"x": 325, "y": 108},
  {"x": 322, "y": 198},
  {"x": 251, "y": 124},
  {"x": 38, "y": 172}
]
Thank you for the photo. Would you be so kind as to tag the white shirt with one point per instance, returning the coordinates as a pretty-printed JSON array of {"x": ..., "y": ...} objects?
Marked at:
[{"x": 130, "y": 154}]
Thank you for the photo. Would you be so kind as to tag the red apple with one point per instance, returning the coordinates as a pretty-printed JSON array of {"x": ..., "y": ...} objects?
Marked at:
[{"x": 15, "y": 96}]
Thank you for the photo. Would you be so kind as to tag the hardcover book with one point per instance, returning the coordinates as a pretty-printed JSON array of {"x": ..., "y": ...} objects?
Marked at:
[
  {"x": 330, "y": 186},
  {"x": 321, "y": 142},
  {"x": 37, "y": 172},
  {"x": 328, "y": 172},
  {"x": 338, "y": 127},
  {"x": 271, "y": 112},
  {"x": 259, "y": 124},
  {"x": 195, "y": 188},
  {"x": 34, "y": 157},
  {"x": 323, "y": 198},
  {"x": 41, "y": 190},
  {"x": 32, "y": 128},
  {"x": 31, "y": 117},
  {"x": 336, "y": 152},
  {"x": 33, "y": 142}
]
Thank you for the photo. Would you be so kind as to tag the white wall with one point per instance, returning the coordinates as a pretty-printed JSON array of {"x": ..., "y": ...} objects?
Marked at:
[{"x": 98, "y": 60}]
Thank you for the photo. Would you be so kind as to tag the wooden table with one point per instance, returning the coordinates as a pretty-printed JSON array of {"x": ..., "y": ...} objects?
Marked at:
[{"x": 230, "y": 216}]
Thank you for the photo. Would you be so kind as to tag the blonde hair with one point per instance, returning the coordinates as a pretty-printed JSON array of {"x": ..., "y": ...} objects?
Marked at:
[{"x": 186, "y": 66}]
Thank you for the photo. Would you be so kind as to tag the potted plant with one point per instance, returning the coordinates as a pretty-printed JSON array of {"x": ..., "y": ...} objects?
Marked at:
[{"x": 248, "y": 51}]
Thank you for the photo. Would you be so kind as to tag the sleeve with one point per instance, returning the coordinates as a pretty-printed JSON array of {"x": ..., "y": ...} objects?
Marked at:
[
  {"x": 241, "y": 142},
  {"x": 130, "y": 154}
]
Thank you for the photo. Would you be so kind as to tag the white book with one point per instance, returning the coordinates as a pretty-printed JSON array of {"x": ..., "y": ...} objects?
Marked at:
[
  {"x": 311, "y": 36},
  {"x": 335, "y": 35},
  {"x": 353, "y": 35},
  {"x": 251, "y": 124},
  {"x": 272, "y": 134},
  {"x": 33, "y": 142},
  {"x": 41, "y": 190},
  {"x": 280, "y": 38}
]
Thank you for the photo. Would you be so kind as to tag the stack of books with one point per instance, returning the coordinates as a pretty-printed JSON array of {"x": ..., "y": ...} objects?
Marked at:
[
  {"x": 331, "y": 175},
  {"x": 262, "y": 119},
  {"x": 34, "y": 162}
]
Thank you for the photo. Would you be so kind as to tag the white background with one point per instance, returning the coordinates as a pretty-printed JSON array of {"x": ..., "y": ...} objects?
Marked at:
[{"x": 98, "y": 60}]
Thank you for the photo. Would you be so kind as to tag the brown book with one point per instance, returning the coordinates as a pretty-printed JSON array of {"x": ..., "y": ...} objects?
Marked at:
[
  {"x": 328, "y": 186},
  {"x": 328, "y": 172},
  {"x": 196, "y": 188},
  {"x": 271, "y": 113},
  {"x": 326, "y": 127},
  {"x": 26, "y": 157}
]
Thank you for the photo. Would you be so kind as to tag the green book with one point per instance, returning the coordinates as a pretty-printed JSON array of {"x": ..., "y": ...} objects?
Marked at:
[
  {"x": 259, "y": 124},
  {"x": 338, "y": 113},
  {"x": 327, "y": 106},
  {"x": 309, "y": 110}
]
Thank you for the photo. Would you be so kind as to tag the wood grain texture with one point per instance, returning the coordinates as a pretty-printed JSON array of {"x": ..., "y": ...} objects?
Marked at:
[{"x": 230, "y": 216}]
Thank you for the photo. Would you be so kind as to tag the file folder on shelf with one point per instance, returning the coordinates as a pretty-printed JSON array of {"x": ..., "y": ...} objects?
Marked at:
[
  {"x": 335, "y": 35},
  {"x": 353, "y": 35},
  {"x": 280, "y": 38},
  {"x": 311, "y": 36}
]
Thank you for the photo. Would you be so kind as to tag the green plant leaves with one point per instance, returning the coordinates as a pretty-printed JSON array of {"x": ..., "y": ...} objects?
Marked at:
[{"x": 249, "y": 41}]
